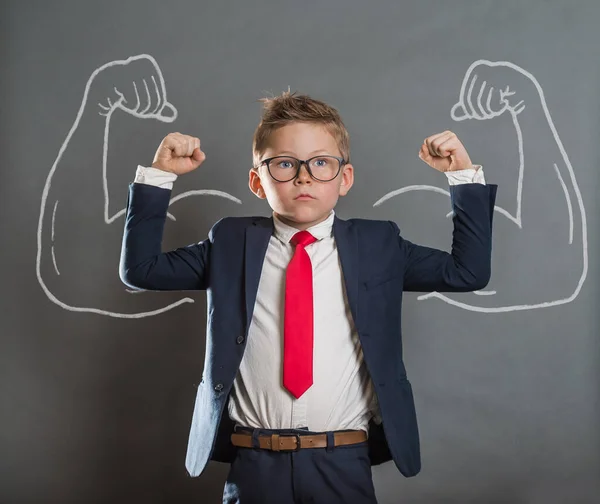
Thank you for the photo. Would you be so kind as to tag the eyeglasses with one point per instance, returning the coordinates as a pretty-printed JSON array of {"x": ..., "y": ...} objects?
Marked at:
[{"x": 321, "y": 168}]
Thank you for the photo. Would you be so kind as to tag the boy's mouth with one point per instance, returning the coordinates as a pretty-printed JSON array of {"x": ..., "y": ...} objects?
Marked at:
[{"x": 304, "y": 196}]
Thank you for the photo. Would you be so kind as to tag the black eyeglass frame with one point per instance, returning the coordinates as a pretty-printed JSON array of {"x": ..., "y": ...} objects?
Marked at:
[{"x": 306, "y": 162}]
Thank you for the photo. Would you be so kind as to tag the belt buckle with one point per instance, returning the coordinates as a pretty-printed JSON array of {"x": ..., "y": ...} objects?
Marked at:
[{"x": 297, "y": 436}]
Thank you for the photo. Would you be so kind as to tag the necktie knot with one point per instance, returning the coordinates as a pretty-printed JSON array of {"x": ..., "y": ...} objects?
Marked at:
[{"x": 303, "y": 238}]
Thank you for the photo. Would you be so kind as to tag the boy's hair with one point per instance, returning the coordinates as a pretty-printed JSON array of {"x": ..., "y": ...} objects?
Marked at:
[{"x": 288, "y": 108}]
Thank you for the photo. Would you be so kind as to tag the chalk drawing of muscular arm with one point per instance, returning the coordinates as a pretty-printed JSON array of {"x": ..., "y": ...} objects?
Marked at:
[
  {"x": 79, "y": 232},
  {"x": 541, "y": 259}
]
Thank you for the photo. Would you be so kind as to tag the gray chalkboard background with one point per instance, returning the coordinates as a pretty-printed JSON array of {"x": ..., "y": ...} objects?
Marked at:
[{"x": 96, "y": 391}]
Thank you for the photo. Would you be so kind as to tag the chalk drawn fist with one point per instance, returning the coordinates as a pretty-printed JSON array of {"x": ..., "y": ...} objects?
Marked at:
[
  {"x": 135, "y": 85},
  {"x": 488, "y": 90},
  {"x": 178, "y": 154}
]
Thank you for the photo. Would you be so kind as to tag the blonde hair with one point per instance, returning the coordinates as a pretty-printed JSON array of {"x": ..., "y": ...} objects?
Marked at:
[{"x": 289, "y": 107}]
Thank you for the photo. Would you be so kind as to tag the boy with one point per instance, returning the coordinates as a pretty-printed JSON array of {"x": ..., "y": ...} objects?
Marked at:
[{"x": 304, "y": 387}]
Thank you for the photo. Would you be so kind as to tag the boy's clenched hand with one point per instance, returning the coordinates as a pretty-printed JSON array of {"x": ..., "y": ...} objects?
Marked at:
[
  {"x": 445, "y": 152},
  {"x": 178, "y": 154}
]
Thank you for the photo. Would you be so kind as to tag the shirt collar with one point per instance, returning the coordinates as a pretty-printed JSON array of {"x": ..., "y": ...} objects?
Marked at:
[{"x": 284, "y": 232}]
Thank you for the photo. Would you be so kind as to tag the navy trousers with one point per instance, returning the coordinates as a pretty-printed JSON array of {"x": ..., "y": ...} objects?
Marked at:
[{"x": 332, "y": 475}]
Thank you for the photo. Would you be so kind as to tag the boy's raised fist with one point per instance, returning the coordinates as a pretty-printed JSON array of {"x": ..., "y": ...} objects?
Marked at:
[
  {"x": 445, "y": 152},
  {"x": 178, "y": 154}
]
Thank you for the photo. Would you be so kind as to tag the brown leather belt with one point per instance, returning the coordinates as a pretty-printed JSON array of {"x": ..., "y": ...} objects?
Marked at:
[{"x": 294, "y": 442}]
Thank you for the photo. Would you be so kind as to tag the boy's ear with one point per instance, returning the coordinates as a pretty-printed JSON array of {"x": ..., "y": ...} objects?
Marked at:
[
  {"x": 347, "y": 179},
  {"x": 255, "y": 184}
]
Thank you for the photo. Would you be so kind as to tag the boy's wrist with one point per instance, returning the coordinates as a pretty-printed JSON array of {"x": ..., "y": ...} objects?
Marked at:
[
  {"x": 472, "y": 175},
  {"x": 155, "y": 177}
]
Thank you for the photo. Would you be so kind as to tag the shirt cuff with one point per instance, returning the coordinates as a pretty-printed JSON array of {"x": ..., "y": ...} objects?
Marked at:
[
  {"x": 154, "y": 177},
  {"x": 470, "y": 176}
]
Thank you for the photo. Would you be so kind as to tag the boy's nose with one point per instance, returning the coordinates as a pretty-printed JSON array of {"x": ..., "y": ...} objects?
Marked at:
[{"x": 303, "y": 175}]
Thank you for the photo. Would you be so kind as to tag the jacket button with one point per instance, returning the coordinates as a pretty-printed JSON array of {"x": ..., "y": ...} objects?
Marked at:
[
  {"x": 219, "y": 387},
  {"x": 240, "y": 340}
]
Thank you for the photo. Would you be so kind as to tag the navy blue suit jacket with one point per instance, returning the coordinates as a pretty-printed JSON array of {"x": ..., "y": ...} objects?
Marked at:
[{"x": 377, "y": 266}]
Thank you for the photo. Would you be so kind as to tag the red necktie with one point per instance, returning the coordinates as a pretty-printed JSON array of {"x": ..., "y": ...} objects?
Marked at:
[{"x": 298, "y": 319}]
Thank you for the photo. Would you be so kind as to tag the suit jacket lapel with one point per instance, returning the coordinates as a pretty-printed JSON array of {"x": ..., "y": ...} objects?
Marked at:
[
  {"x": 346, "y": 239},
  {"x": 257, "y": 241}
]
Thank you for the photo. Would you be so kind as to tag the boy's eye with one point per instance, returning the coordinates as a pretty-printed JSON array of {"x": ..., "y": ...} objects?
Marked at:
[
  {"x": 320, "y": 162},
  {"x": 285, "y": 163}
]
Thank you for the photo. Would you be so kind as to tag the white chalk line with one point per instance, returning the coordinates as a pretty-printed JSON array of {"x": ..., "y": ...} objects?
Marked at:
[
  {"x": 52, "y": 239},
  {"x": 569, "y": 204}
]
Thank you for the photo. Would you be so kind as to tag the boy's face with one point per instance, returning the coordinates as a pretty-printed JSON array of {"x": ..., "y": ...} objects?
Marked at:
[{"x": 289, "y": 200}]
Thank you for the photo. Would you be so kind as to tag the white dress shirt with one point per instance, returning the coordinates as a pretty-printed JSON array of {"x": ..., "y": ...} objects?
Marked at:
[{"x": 342, "y": 394}]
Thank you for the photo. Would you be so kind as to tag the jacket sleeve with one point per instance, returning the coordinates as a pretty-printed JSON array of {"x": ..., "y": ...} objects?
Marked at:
[
  {"x": 143, "y": 265},
  {"x": 468, "y": 266}
]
